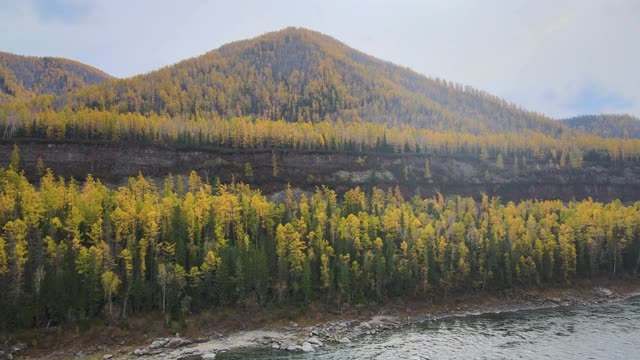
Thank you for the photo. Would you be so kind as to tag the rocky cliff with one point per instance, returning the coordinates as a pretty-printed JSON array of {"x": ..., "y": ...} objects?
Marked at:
[{"x": 450, "y": 175}]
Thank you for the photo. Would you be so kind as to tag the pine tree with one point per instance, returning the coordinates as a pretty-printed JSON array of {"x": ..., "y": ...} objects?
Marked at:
[
  {"x": 248, "y": 171},
  {"x": 14, "y": 162},
  {"x": 274, "y": 164},
  {"x": 325, "y": 273},
  {"x": 307, "y": 284},
  {"x": 3, "y": 257},
  {"x": 427, "y": 170},
  {"x": 484, "y": 154},
  {"x": 110, "y": 285},
  {"x": 500, "y": 162}
]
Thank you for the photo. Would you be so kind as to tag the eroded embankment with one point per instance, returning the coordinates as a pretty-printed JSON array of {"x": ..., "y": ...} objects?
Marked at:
[{"x": 449, "y": 175}]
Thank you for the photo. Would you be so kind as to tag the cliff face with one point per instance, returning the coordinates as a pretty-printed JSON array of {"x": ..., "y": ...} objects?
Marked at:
[{"x": 450, "y": 175}]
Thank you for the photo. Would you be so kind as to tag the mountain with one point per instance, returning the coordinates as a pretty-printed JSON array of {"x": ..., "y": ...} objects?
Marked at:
[
  {"x": 28, "y": 76},
  {"x": 606, "y": 125},
  {"x": 301, "y": 75},
  {"x": 298, "y": 107}
]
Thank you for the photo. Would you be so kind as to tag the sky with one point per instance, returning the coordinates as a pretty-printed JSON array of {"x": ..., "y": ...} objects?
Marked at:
[{"x": 557, "y": 57}]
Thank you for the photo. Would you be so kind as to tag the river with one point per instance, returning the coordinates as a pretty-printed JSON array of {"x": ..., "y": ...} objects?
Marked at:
[{"x": 602, "y": 331}]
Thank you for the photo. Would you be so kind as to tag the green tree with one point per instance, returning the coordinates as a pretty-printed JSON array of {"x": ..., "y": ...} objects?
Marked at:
[
  {"x": 14, "y": 160},
  {"x": 427, "y": 170},
  {"x": 248, "y": 171},
  {"x": 274, "y": 164},
  {"x": 500, "y": 162},
  {"x": 3, "y": 257},
  {"x": 307, "y": 282},
  {"x": 110, "y": 285}
]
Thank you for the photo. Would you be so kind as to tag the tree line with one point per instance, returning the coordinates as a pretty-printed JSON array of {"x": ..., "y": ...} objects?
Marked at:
[
  {"x": 621, "y": 126},
  {"x": 19, "y": 122},
  {"x": 71, "y": 253}
]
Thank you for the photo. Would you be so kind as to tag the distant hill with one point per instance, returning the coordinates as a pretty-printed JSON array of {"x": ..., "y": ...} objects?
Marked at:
[
  {"x": 607, "y": 126},
  {"x": 301, "y": 75},
  {"x": 27, "y": 76}
]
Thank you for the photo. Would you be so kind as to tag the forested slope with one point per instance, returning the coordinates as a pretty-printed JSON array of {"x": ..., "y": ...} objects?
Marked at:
[
  {"x": 606, "y": 125},
  {"x": 70, "y": 253},
  {"x": 23, "y": 77},
  {"x": 304, "y": 76},
  {"x": 299, "y": 89},
  {"x": 297, "y": 92}
]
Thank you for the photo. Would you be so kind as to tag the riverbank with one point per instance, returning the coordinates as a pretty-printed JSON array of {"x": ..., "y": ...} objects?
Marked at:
[{"x": 288, "y": 330}]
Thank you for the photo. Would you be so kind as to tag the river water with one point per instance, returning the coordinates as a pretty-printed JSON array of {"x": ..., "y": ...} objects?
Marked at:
[{"x": 603, "y": 331}]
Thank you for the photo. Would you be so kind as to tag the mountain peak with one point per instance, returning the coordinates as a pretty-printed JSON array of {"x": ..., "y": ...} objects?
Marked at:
[
  {"x": 297, "y": 74},
  {"x": 290, "y": 39}
]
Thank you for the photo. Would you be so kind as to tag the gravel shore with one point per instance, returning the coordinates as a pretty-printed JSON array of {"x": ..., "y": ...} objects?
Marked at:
[{"x": 342, "y": 328}]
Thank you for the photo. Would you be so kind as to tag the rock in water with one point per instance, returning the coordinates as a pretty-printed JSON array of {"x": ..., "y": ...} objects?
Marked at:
[
  {"x": 158, "y": 343},
  {"x": 314, "y": 341},
  {"x": 191, "y": 357},
  {"x": 306, "y": 347},
  {"x": 177, "y": 342},
  {"x": 209, "y": 356},
  {"x": 603, "y": 292},
  {"x": 344, "y": 340}
]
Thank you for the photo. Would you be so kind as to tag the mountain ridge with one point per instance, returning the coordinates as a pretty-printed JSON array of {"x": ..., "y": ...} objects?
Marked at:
[
  {"x": 622, "y": 126},
  {"x": 340, "y": 82},
  {"x": 302, "y": 75},
  {"x": 24, "y": 77}
]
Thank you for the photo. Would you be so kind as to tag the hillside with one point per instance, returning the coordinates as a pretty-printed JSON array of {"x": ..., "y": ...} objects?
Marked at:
[
  {"x": 289, "y": 175},
  {"x": 606, "y": 125},
  {"x": 27, "y": 76},
  {"x": 301, "y": 75},
  {"x": 71, "y": 254},
  {"x": 303, "y": 109}
]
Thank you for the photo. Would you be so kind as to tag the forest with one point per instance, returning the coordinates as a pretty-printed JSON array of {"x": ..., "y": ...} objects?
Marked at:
[
  {"x": 72, "y": 253},
  {"x": 296, "y": 89},
  {"x": 25, "y": 77},
  {"x": 19, "y": 122},
  {"x": 619, "y": 126},
  {"x": 295, "y": 75}
]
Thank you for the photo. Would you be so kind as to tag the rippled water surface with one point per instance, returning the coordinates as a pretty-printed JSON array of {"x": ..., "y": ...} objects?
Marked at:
[{"x": 605, "y": 331}]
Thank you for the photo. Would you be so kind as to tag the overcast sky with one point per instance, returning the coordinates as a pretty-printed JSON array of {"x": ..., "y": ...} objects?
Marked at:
[{"x": 557, "y": 57}]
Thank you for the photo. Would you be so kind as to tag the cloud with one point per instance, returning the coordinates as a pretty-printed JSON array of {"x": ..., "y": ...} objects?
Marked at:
[
  {"x": 594, "y": 99},
  {"x": 66, "y": 11}
]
